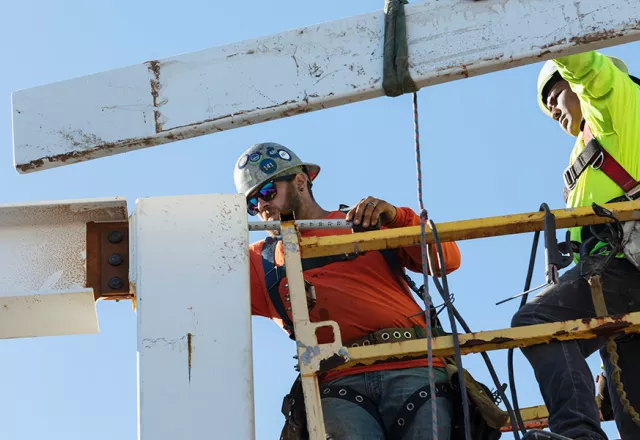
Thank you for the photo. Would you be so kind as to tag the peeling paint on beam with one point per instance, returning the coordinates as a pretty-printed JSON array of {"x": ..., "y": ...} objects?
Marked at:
[
  {"x": 516, "y": 337},
  {"x": 299, "y": 71}
]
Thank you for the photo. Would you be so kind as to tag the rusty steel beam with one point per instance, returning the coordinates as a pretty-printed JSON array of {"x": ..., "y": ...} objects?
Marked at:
[
  {"x": 516, "y": 337},
  {"x": 299, "y": 71},
  {"x": 462, "y": 230}
]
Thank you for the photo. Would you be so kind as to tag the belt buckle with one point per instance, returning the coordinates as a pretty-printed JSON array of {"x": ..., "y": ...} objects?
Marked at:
[{"x": 634, "y": 193}]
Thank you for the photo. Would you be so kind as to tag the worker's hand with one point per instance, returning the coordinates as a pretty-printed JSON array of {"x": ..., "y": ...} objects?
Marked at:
[{"x": 368, "y": 210}]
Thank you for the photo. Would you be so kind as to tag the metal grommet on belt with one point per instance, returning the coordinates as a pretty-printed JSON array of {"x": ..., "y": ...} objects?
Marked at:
[
  {"x": 407, "y": 335},
  {"x": 423, "y": 394},
  {"x": 410, "y": 406},
  {"x": 385, "y": 336},
  {"x": 342, "y": 392},
  {"x": 366, "y": 343},
  {"x": 326, "y": 391},
  {"x": 397, "y": 334},
  {"x": 355, "y": 344},
  {"x": 401, "y": 421},
  {"x": 359, "y": 399}
]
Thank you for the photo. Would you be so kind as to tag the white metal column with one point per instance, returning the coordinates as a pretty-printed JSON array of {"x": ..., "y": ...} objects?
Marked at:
[{"x": 194, "y": 319}]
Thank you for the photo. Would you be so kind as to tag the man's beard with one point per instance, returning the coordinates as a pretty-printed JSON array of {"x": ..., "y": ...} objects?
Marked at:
[{"x": 293, "y": 202}]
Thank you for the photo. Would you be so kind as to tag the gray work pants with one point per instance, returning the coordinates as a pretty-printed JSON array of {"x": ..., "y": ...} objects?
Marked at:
[{"x": 566, "y": 382}]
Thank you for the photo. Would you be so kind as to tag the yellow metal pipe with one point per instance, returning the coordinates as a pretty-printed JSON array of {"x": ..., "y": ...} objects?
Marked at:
[
  {"x": 462, "y": 230},
  {"x": 533, "y": 413},
  {"x": 497, "y": 339},
  {"x": 535, "y": 417}
]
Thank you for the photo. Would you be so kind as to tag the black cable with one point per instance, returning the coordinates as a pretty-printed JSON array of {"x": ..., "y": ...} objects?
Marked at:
[
  {"x": 490, "y": 367},
  {"x": 446, "y": 297},
  {"x": 523, "y": 301},
  {"x": 527, "y": 285},
  {"x": 494, "y": 376}
]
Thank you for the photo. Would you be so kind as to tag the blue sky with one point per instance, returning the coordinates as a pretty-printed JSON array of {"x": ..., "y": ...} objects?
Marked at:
[{"x": 487, "y": 150}]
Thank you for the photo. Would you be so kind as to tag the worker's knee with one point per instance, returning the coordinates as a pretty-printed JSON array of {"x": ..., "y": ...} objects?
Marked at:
[{"x": 525, "y": 316}]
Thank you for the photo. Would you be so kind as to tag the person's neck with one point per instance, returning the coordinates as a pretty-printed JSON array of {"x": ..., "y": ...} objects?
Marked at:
[{"x": 311, "y": 211}]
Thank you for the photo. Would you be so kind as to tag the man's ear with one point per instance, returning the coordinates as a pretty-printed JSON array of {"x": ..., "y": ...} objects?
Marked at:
[{"x": 300, "y": 181}]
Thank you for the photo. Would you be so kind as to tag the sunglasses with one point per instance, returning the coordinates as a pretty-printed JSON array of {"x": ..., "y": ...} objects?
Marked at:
[{"x": 267, "y": 192}]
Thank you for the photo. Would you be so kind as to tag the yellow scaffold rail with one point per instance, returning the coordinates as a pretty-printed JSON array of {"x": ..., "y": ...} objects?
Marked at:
[
  {"x": 516, "y": 337},
  {"x": 462, "y": 230},
  {"x": 314, "y": 358}
]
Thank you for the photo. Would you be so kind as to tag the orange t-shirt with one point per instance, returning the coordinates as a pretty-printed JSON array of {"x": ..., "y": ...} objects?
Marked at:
[{"x": 362, "y": 295}]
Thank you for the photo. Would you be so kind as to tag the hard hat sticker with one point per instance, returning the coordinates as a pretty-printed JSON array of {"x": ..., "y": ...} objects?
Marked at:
[
  {"x": 284, "y": 155},
  {"x": 268, "y": 166},
  {"x": 243, "y": 161},
  {"x": 255, "y": 157},
  {"x": 272, "y": 152}
]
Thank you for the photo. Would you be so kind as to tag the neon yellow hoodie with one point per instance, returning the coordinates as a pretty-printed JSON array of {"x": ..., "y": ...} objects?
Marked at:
[{"x": 610, "y": 103}]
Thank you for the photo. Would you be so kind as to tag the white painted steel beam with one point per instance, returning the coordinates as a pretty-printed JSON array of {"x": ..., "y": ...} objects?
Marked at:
[
  {"x": 299, "y": 71},
  {"x": 43, "y": 255},
  {"x": 194, "y": 318},
  {"x": 48, "y": 313}
]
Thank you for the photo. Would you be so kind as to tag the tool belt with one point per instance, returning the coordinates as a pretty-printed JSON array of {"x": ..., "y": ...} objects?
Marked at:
[
  {"x": 395, "y": 334},
  {"x": 486, "y": 418}
]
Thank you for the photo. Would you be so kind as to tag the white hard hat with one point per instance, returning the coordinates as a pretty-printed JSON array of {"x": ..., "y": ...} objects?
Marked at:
[
  {"x": 550, "y": 68},
  {"x": 264, "y": 161}
]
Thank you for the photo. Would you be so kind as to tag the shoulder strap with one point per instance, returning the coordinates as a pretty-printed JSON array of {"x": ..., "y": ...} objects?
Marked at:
[
  {"x": 272, "y": 277},
  {"x": 596, "y": 156},
  {"x": 274, "y": 274}
]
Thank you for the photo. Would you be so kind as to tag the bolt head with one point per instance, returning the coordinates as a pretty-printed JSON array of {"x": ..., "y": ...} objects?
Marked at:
[
  {"x": 115, "y": 259},
  {"x": 115, "y": 237},
  {"x": 116, "y": 283}
]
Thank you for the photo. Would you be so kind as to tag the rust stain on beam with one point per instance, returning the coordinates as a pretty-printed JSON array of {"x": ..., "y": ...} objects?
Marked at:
[
  {"x": 189, "y": 352},
  {"x": 87, "y": 150},
  {"x": 154, "y": 68},
  {"x": 516, "y": 337}
]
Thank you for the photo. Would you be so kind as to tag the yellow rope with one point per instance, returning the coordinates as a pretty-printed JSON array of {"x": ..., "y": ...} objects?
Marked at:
[{"x": 626, "y": 405}]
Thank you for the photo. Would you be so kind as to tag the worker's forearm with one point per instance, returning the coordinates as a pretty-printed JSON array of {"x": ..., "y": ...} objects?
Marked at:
[{"x": 590, "y": 74}]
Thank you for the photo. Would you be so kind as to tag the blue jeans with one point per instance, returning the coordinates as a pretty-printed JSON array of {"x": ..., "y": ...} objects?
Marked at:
[
  {"x": 566, "y": 382},
  {"x": 388, "y": 390}
]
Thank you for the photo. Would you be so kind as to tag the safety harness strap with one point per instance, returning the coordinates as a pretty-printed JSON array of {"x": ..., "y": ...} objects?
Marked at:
[
  {"x": 411, "y": 406},
  {"x": 596, "y": 156},
  {"x": 274, "y": 274},
  {"x": 351, "y": 395},
  {"x": 272, "y": 278}
]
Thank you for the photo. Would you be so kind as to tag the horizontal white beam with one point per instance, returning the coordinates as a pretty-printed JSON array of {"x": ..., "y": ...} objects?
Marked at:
[
  {"x": 60, "y": 212},
  {"x": 43, "y": 244},
  {"x": 299, "y": 71},
  {"x": 48, "y": 313},
  {"x": 43, "y": 260}
]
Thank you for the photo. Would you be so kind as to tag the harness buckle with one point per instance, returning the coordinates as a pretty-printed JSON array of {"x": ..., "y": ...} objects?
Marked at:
[
  {"x": 598, "y": 161},
  {"x": 570, "y": 178},
  {"x": 634, "y": 193}
]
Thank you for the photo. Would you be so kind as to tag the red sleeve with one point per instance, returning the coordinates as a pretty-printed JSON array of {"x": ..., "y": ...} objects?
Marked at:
[
  {"x": 259, "y": 304},
  {"x": 411, "y": 257}
]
